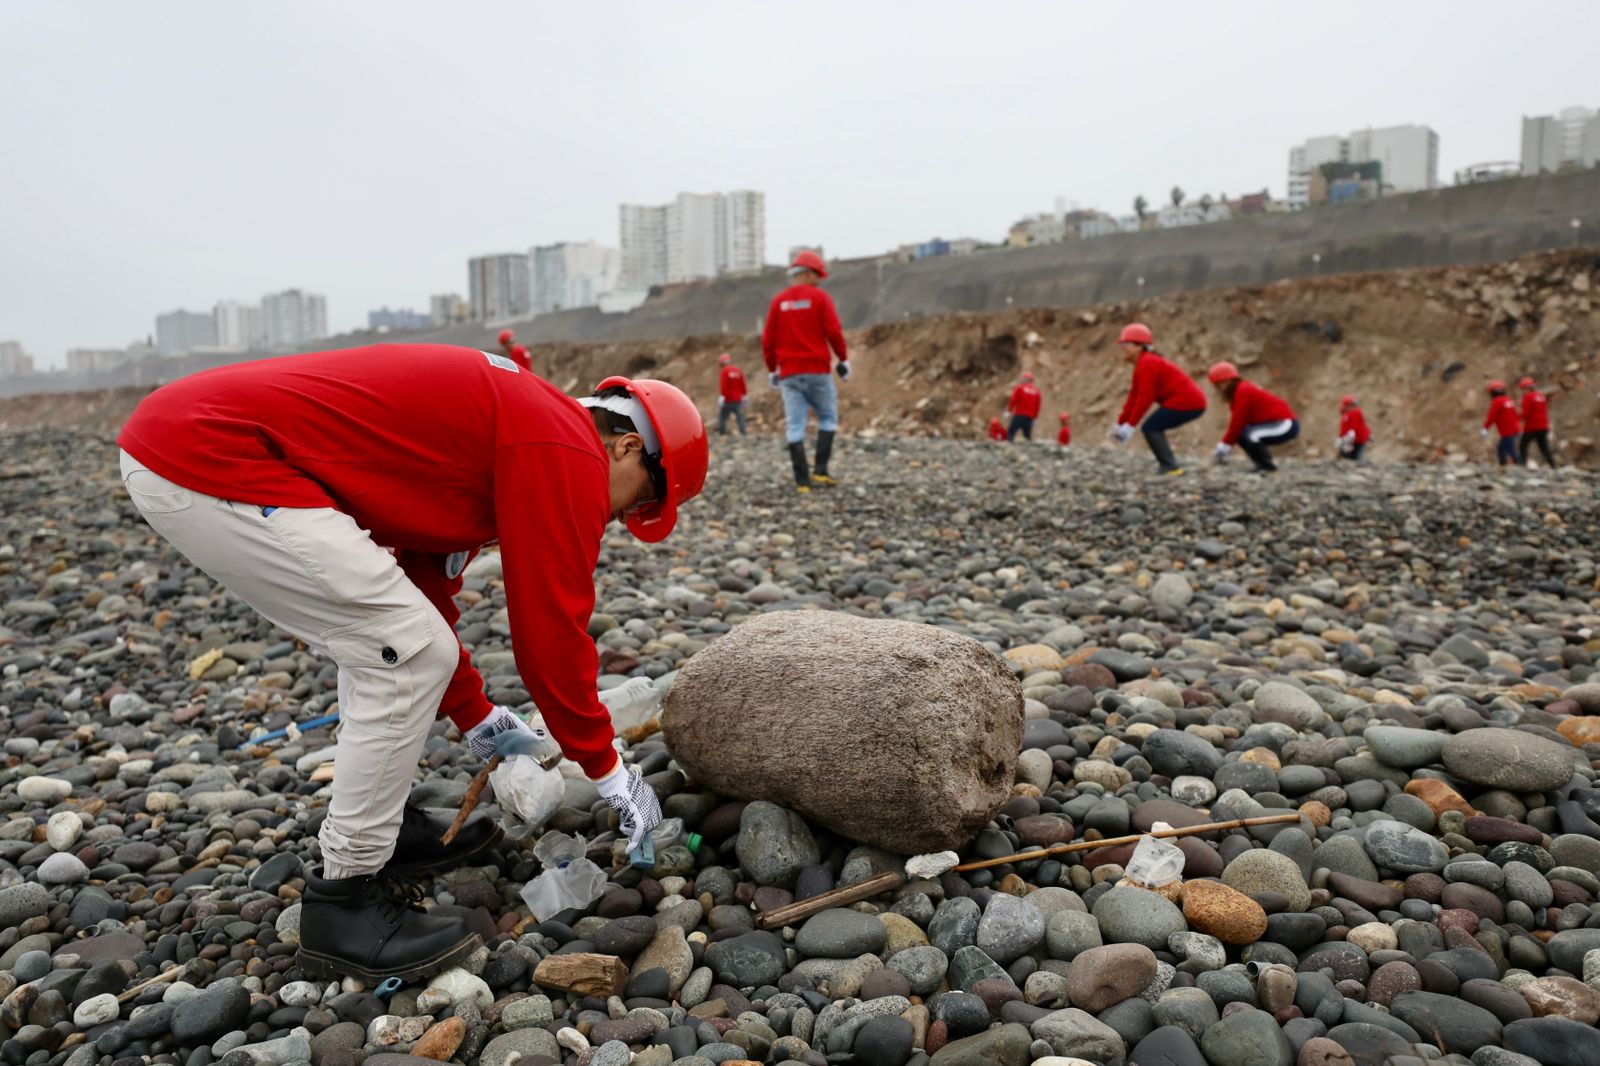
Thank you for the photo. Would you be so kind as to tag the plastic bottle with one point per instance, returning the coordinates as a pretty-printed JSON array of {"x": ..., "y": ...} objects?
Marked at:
[{"x": 632, "y": 703}]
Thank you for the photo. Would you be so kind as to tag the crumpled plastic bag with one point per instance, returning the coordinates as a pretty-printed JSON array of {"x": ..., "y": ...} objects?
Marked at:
[
  {"x": 569, "y": 880},
  {"x": 526, "y": 794},
  {"x": 1155, "y": 863}
]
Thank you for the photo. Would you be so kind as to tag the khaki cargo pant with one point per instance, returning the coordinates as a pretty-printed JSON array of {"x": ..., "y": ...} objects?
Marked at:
[{"x": 318, "y": 575}]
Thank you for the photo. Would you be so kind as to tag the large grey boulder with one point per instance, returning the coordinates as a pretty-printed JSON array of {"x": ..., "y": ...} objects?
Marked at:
[{"x": 900, "y": 735}]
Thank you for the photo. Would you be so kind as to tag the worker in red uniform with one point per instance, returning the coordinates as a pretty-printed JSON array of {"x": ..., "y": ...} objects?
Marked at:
[
  {"x": 519, "y": 355},
  {"x": 731, "y": 391},
  {"x": 1023, "y": 407},
  {"x": 505, "y": 339},
  {"x": 1503, "y": 417},
  {"x": 1156, "y": 380},
  {"x": 1064, "y": 434},
  {"x": 997, "y": 429},
  {"x": 1353, "y": 431},
  {"x": 802, "y": 327},
  {"x": 1535, "y": 422},
  {"x": 1258, "y": 418},
  {"x": 341, "y": 494}
]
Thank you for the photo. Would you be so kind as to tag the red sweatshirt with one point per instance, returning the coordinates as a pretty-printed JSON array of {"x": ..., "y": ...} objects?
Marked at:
[
  {"x": 432, "y": 449},
  {"x": 996, "y": 430},
  {"x": 1352, "y": 420},
  {"x": 1535, "y": 411},
  {"x": 1065, "y": 435},
  {"x": 1253, "y": 405},
  {"x": 1025, "y": 400},
  {"x": 802, "y": 324},
  {"x": 731, "y": 384},
  {"x": 1503, "y": 416},
  {"x": 1157, "y": 380}
]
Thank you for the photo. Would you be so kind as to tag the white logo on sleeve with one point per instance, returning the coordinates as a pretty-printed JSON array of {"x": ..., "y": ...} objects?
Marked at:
[
  {"x": 501, "y": 361},
  {"x": 794, "y": 305}
]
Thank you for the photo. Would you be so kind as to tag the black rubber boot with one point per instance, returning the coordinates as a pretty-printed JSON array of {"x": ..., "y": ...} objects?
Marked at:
[
  {"x": 369, "y": 927},
  {"x": 1162, "y": 449},
  {"x": 1259, "y": 455},
  {"x": 417, "y": 849},
  {"x": 824, "y": 451},
  {"x": 802, "y": 474}
]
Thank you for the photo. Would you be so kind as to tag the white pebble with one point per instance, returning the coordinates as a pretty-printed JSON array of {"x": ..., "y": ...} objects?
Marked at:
[
  {"x": 38, "y": 789},
  {"x": 96, "y": 1010},
  {"x": 63, "y": 830}
]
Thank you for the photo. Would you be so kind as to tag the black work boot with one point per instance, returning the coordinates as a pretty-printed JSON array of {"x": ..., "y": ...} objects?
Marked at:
[
  {"x": 802, "y": 475},
  {"x": 1259, "y": 455},
  {"x": 369, "y": 927},
  {"x": 824, "y": 450},
  {"x": 417, "y": 849}
]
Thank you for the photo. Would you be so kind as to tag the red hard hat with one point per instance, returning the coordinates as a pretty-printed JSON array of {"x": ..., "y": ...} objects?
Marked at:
[
  {"x": 811, "y": 261},
  {"x": 724, "y": 359},
  {"x": 1063, "y": 416},
  {"x": 1347, "y": 401},
  {"x": 1136, "y": 333},
  {"x": 1221, "y": 372},
  {"x": 505, "y": 336},
  {"x": 1497, "y": 386},
  {"x": 1026, "y": 376},
  {"x": 1525, "y": 383},
  {"x": 684, "y": 452}
]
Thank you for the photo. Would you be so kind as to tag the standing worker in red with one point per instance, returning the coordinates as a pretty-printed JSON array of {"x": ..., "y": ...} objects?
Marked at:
[
  {"x": 1353, "y": 431},
  {"x": 1503, "y": 417},
  {"x": 731, "y": 391},
  {"x": 341, "y": 494},
  {"x": 1156, "y": 380},
  {"x": 1023, "y": 407},
  {"x": 1064, "y": 434},
  {"x": 1258, "y": 418},
  {"x": 802, "y": 326},
  {"x": 1535, "y": 422}
]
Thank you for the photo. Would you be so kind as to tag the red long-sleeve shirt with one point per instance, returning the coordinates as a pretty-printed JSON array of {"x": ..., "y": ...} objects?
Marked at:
[
  {"x": 1158, "y": 380},
  {"x": 1535, "y": 411},
  {"x": 1025, "y": 400},
  {"x": 996, "y": 430},
  {"x": 1353, "y": 421},
  {"x": 1064, "y": 436},
  {"x": 1253, "y": 405},
  {"x": 1503, "y": 417},
  {"x": 433, "y": 449},
  {"x": 731, "y": 384},
  {"x": 802, "y": 325}
]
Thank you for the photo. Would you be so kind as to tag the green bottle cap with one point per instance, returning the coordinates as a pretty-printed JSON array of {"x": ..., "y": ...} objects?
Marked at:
[{"x": 694, "y": 842}]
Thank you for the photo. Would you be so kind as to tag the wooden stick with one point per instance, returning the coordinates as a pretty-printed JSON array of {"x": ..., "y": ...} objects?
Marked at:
[
  {"x": 1091, "y": 845},
  {"x": 469, "y": 802},
  {"x": 834, "y": 897},
  {"x": 159, "y": 978}
]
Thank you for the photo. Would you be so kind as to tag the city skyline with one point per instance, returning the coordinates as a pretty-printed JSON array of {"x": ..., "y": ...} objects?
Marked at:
[{"x": 898, "y": 150}]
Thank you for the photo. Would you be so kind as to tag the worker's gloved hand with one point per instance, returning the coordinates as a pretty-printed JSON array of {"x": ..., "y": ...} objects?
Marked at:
[
  {"x": 844, "y": 371},
  {"x": 772, "y": 378},
  {"x": 1484, "y": 433},
  {"x": 633, "y": 800},
  {"x": 1123, "y": 432},
  {"x": 1220, "y": 452},
  {"x": 481, "y": 738}
]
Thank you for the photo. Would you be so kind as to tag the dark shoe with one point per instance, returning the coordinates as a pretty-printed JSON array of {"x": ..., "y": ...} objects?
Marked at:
[
  {"x": 797, "y": 457},
  {"x": 369, "y": 927},
  {"x": 824, "y": 453},
  {"x": 417, "y": 849}
]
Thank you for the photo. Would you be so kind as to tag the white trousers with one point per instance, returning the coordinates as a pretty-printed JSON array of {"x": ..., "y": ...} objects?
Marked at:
[{"x": 315, "y": 573}]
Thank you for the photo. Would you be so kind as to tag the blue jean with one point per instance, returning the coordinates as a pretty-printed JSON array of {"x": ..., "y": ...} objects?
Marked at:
[
  {"x": 1020, "y": 424},
  {"x": 1507, "y": 451},
  {"x": 804, "y": 393},
  {"x": 1155, "y": 432},
  {"x": 734, "y": 408}
]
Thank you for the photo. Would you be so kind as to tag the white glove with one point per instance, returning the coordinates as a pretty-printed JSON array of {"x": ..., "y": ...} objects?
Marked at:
[
  {"x": 1220, "y": 452},
  {"x": 481, "y": 737},
  {"x": 634, "y": 800},
  {"x": 772, "y": 378},
  {"x": 1484, "y": 432},
  {"x": 1123, "y": 432},
  {"x": 844, "y": 371},
  {"x": 721, "y": 402},
  {"x": 1349, "y": 437}
]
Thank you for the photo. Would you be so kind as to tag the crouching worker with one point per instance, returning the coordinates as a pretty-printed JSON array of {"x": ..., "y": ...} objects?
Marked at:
[
  {"x": 341, "y": 495},
  {"x": 1258, "y": 419}
]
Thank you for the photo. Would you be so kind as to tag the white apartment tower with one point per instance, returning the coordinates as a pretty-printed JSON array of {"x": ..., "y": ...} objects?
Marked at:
[
  {"x": 1570, "y": 139},
  {"x": 572, "y": 274},
  {"x": 239, "y": 326},
  {"x": 13, "y": 360},
  {"x": 498, "y": 286},
  {"x": 291, "y": 318},
  {"x": 181, "y": 332},
  {"x": 1409, "y": 154},
  {"x": 697, "y": 236}
]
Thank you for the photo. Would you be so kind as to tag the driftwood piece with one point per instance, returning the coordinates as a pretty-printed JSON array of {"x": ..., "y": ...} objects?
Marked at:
[{"x": 469, "y": 802}]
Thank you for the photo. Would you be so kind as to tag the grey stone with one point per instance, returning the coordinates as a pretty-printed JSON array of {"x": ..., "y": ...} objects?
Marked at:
[
  {"x": 1509, "y": 759},
  {"x": 1135, "y": 916}
]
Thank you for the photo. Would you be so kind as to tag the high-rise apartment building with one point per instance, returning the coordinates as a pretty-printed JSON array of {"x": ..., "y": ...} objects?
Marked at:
[
  {"x": 698, "y": 235},
  {"x": 404, "y": 318},
  {"x": 498, "y": 286},
  {"x": 181, "y": 332},
  {"x": 571, "y": 274},
  {"x": 1409, "y": 156},
  {"x": 293, "y": 317},
  {"x": 13, "y": 360},
  {"x": 91, "y": 361},
  {"x": 239, "y": 326},
  {"x": 1569, "y": 139},
  {"x": 448, "y": 307}
]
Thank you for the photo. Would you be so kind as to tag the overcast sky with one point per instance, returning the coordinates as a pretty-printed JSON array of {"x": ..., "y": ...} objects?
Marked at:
[{"x": 158, "y": 155}]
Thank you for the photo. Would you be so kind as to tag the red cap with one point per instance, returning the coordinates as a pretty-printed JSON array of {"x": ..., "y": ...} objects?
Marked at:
[
  {"x": 1063, "y": 416},
  {"x": 724, "y": 359},
  {"x": 811, "y": 261},
  {"x": 1026, "y": 376},
  {"x": 1525, "y": 383},
  {"x": 1347, "y": 401},
  {"x": 684, "y": 452},
  {"x": 1136, "y": 333},
  {"x": 1497, "y": 386},
  {"x": 505, "y": 336},
  {"x": 1221, "y": 372}
]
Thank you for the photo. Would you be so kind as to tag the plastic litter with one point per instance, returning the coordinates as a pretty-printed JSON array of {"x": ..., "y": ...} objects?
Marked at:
[
  {"x": 1155, "y": 862},
  {"x": 569, "y": 880},
  {"x": 632, "y": 703},
  {"x": 527, "y": 794}
]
